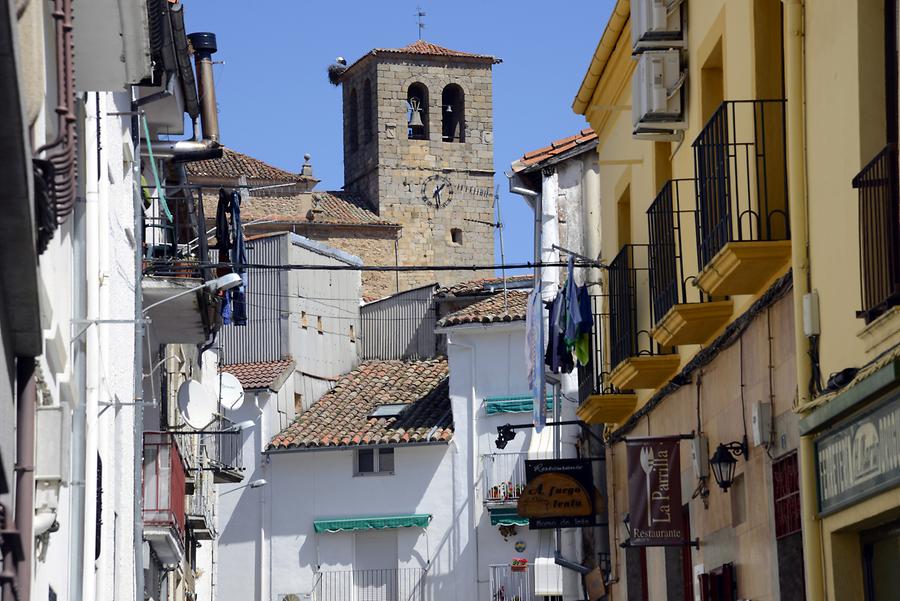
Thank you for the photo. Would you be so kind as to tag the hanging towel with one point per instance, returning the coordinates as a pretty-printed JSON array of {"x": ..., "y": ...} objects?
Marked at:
[
  {"x": 223, "y": 234},
  {"x": 238, "y": 260}
]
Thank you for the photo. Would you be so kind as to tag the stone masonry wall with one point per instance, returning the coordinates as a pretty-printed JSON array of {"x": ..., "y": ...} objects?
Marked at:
[{"x": 392, "y": 170}]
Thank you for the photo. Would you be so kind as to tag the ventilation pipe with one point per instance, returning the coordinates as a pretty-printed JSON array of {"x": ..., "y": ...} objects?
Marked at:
[{"x": 204, "y": 45}]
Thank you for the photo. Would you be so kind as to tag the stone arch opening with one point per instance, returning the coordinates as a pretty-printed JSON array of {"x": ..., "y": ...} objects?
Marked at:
[{"x": 453, "y": 114}]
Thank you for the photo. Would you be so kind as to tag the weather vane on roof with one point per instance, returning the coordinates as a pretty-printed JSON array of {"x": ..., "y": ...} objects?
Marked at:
[{"x": 420, "y": 14}]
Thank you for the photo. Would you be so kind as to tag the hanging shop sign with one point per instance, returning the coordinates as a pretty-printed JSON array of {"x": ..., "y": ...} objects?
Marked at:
[
  {"x": 654, "y": 491},
  {"x": 860, "y": 457},
  {"x": 559, "y": 493}
]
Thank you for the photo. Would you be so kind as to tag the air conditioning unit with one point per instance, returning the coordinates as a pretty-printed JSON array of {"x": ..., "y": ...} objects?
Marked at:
[
  {"x": 658, "y": 94},
  {"x": 656, "y": 24}
]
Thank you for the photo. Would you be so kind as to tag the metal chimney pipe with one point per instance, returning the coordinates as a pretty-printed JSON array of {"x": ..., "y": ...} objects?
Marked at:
[{"x": 204, "y": 44}]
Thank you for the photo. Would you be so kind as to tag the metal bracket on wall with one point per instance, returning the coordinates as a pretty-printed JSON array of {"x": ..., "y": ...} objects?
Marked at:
[{"x": 87, "y": 323}]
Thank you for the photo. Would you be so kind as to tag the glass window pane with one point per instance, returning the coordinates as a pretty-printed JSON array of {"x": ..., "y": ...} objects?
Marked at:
[
  {"x": 386, "y": 460},
  {"x": 365, "y": 461}
]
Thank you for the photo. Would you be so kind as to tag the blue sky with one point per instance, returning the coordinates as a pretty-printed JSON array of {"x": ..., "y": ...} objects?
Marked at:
[{"x": 276, "y": 104}]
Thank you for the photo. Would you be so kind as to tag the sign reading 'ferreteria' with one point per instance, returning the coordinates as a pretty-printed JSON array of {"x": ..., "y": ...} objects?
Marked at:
[
  {"x": 860, "y": 457},
  {"x": 559, "y": 494},
  {"x": 654, "y": 491}
]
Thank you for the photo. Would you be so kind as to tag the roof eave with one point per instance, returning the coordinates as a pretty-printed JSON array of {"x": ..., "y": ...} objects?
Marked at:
[
  {"x": 615, "y": 28},
  {"x": 555, "y": 160},
  {"x": 355, "y": 447}
]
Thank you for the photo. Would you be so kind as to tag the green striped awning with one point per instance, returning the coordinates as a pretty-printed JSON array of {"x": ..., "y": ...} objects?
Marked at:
[
  {"x": 520, "y": 403},
  {"x": 419, "y": 520},
  {"x": 506, "y": 516}
]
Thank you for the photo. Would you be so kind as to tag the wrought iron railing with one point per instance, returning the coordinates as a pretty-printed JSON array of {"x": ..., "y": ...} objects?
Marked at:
[
  {"x": 630, "y": 309},
  {"x": 741, "y": 175},
  {"x": 223, "y": 451},
  {"x": 508, "y": 584},
  {"x": 199, "y": 509},
  {"x": 164, "y": 482},
  {"x": 672, "y": 220},
  {"x": 399, "y": 584},
  {"x": 504, "y": 476},
  {"x": 591, "y": 376},
  {"x": 879, "y": 239},
  {"x": 175, "y": 232}
]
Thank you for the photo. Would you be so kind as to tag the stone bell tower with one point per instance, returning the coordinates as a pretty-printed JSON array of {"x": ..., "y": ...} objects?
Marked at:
[{"x": 419, "y": 148}]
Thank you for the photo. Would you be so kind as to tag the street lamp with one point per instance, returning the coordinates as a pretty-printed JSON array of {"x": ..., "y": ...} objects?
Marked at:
[
  {"x": 507, "y": 432},
  {"x": 223, "y": 283},
  {"x": 723, "y": 461}
]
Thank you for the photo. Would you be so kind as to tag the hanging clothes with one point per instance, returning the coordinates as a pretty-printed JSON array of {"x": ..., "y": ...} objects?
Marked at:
[
  {"x": 578, "y": 316},
  {"x": 223, "y": 232},
  {"x": 557, "y": 357},
  {"x": 238, "y": 260}
]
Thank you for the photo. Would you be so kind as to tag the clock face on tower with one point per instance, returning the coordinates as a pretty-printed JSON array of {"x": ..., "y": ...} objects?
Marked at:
[{"x": 437, "y": 191}]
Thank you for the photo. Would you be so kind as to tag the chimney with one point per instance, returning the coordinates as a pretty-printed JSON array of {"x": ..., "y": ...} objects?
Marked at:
[
  {"x": 306, "y": 169},
  {"x": 204, "y": 45}
]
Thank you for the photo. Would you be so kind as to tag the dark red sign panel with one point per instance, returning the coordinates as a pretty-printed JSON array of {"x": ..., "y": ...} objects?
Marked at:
[{"x": 654, "y": 492}]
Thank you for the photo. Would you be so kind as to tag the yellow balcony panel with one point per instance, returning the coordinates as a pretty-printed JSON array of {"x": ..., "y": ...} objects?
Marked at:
[
  {"x": 692, "y": 323},
  {"x": 646, "y": 371},
  {"x": 600, "y": 409},
  {"x": 744, "y": 267}
]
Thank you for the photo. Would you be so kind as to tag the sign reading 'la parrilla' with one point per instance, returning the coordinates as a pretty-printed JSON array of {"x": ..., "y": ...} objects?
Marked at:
[
  {"x": 559, "y": 494},
  {"x": 860, "y": 457},
  {"x": 654, "y": 491}
]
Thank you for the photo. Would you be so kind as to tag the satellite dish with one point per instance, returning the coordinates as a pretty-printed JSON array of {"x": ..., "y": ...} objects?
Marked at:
[
  {"x": 231, "y": 393},
  {"x": 197, "y": 404}
]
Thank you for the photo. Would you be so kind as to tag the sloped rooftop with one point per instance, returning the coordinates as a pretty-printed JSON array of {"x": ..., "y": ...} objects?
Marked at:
[
  {"x": 234, "y": 164},
  {"x": 494, "y": 309}
]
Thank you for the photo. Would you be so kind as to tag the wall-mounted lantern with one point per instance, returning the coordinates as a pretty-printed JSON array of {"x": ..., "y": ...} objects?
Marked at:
[{"x": 724, "y": 461}]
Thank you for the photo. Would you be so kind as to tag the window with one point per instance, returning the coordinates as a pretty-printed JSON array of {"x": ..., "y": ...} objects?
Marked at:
[
  {"x": 417, "y": 112},
  {"x": 456, "y": 236},
  {"x": 453, "y": 114},
  {"x": 719, "y": 584},
  {"x": 320, "y": 327},
  {"x": 298, "y": 403},
  {"x": 353, "y": 123},
  {"x": 304, "y": 321},
  {"x": 374, "y": 461},
  {"x": 788, "y": 538},
  {"x": 352, "y": 333},
  {"x": 367, "y": 112}
]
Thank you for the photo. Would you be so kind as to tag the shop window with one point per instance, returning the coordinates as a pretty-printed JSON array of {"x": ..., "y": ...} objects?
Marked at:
[
  {"x": 417, "y": 112},
  {"x": 456, "y": 236},
  {"x": 367, "y": 112},
  {"x": 453, "y": 111},
  {"x": 374, "y": 461},
  {"x": 353, "y": 122},
  {"x": 719, "y": 584},
  {"x": 788, "y": 538}
]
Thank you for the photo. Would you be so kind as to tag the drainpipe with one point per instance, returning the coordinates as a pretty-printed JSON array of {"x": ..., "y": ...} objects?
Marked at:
[
  {"x": 138, "y": 394},
  {"x": 797, "y": 195},
  {"x": 26, "y": 400}
]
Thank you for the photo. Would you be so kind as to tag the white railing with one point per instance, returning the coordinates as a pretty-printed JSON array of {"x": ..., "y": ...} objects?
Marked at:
[
  {"x": 510, "y": 585},
  {"x": 403, "y": 584},
  {"x": 504, "y": 476}
]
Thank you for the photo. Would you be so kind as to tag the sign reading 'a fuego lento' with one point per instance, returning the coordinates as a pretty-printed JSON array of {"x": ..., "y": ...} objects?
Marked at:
[
  {"x": 654, "y": 492},
  {"x": 559, "y": 494}
]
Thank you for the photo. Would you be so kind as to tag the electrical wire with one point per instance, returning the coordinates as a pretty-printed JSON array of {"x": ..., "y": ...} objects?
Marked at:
[{"x": 387, "y": 268}]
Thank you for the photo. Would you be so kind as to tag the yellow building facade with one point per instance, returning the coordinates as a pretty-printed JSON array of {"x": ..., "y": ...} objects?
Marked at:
[{"x": 738, "y": 141}]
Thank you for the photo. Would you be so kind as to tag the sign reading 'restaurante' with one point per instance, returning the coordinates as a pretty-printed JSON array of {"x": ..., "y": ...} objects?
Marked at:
[
  {"x": 654, "y": 492},
  {"x": 559, "y": 494}
]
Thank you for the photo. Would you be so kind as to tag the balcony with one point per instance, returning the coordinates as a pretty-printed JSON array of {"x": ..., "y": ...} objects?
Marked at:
[
  {"x": 176, "y": 260},
  {"x": 879, "y": 243},
  {"x": 504, "y": 477},
  {"x": 638, "y": 361},
  {"x": 684, "y": 313},
  {"x": 199, "y": 517},
  {"x": 164, "y": 489},
  {"x": 741, "y": 181},
  {"x": 509, "y": 585},
  {"x": 398, "y": 584},
  {"x": 599, "y": 403},
  {"x": 223, "y": 453}
]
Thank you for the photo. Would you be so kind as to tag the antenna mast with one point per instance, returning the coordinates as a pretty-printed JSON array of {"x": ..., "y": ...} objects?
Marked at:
[{"x": 421, "y": 21}]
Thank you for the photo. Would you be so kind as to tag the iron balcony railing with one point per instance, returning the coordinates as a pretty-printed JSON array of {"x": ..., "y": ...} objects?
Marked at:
[
  {"x": 176, "y": 240},
  {"x": 223, "y": 452},
  {"x": 398, "y": 584},
  {"x": 199, "y": 510},
  {"x": 673, "y": 220},
  {"x": 630, "y": 308},
  {"x": 740, "y": 172},
  {"x": 504, "y": 476},
  {"x": 508, "y": 584},
  {"x": 164, "y": 482},
  {"x": 879, "y": 239}
]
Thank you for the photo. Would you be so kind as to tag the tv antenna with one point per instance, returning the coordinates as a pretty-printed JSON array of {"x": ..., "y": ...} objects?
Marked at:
[{"x": 420, "y": 17}]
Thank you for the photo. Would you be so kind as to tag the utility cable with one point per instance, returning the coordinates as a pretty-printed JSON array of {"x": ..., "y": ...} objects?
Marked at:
[{"x": 388, "y": 268}]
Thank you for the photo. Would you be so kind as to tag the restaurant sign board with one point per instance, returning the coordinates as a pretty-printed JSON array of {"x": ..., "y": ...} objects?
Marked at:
[
  {"x": 860, "y": 457},
  {"x": 654, "y": 491},
  {"x": 559, "y": 493}
]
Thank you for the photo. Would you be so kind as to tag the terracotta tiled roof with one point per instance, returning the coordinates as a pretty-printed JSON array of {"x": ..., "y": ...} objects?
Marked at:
[
  {"x": 341, "y": 417},
  {"x": 423, "y": 48},
  {"x": 535, "y": 157},
  {"x": 234, "y": 164},
  {"x": 484, "y": 285},
  {"x": 491, "y": 310},
  {"x": 259, "y": 375},
  {"x": 330, "y": 208}
]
